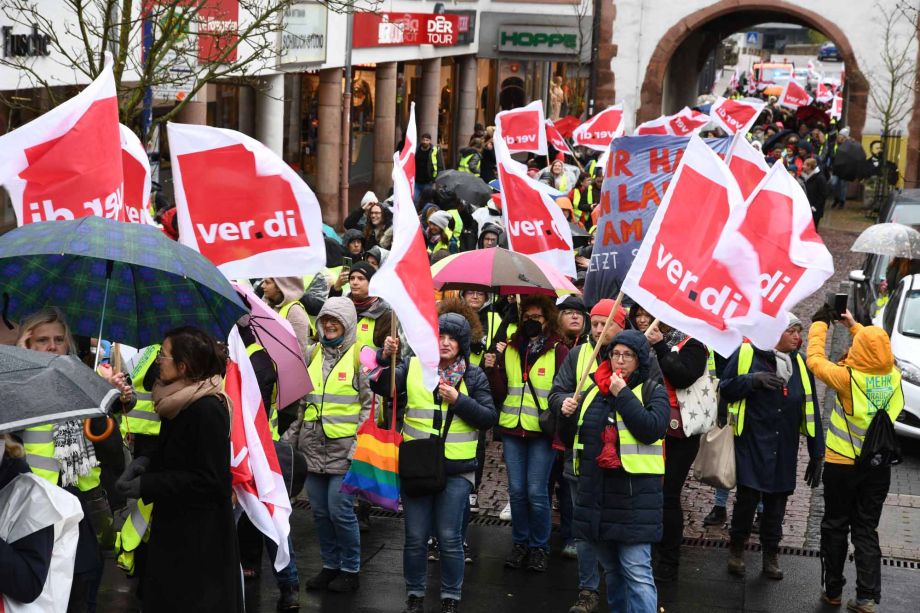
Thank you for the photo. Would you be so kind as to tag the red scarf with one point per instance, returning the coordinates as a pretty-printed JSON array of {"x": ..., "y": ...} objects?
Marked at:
[{"x": 602, "y": 377}]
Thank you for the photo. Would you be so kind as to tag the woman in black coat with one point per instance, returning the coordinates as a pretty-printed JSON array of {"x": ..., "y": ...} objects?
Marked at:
[{"x": 192, "y": 560}]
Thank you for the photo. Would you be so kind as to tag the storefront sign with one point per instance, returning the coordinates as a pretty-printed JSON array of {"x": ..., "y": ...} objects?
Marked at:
[
  {"x": 404, "y": 29},
  {"x": 538, "y": 39},
  {"x": 34, "y": 44},
  {"x": 466, "y": 26},
  {"x": 218, "y": 30},
  {"x": 303, "y": 37}
]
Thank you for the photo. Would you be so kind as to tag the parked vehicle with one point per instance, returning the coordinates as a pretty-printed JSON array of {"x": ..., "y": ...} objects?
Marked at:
[
  {"x": 900, "y": 318},
  {"x": 829, "y": 53},
  {"x": 771, "y": 76}
]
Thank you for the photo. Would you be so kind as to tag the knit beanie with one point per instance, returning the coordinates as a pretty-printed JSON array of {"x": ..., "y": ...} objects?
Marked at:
[
  {"x": 368, "y": 198},
  {"x": 603, "y": 308},
  {"x": 440, "y": 218},
  {"x": 364, "y": 268}
]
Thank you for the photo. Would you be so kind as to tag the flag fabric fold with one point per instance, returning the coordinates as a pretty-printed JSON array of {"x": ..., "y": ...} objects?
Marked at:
[
  {"x": 794, "y": 95},
  {"x": 599, "y": 131},
  {"x": 683, "y": 123},
  {"x": 136, "y": 170},
  {"x": 735, "y": 116},
  {"x": 257, "y": 478},
  {"x": 555, "y": 138},
  {"x": 523, "y": 128},
  {"x": 746, "y": 164}
]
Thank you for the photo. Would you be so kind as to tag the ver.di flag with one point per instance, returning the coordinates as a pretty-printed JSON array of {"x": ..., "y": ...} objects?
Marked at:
[
  {"x": 534, "y": 223},
  {"x": 66, "y": 163},
  {"x": 735, "y": 116},
  {"x": 404, "y": 279},
  {"x": 256, "y": 474},
  {"x": 522, "y": 129},
  {"x": 556, "y": 139},
  {"x": 746, "y": 164},
  {"x": 598, "y": 132},
  {"x": 683, "y": 123},
  {"x": 136, "y": 170},
  {"x": 680, "y": 273},
  {"x": 242, "y": 206},
  {"x": 794, "y": 95}
]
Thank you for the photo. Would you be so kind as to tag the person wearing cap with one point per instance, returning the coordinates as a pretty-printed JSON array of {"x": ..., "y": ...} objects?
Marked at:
[
  {"x": 568, "y": 210},
  {"x": 616, "y": 431},
  {"x": 489, "y": 235},
  {"x": 440, "y": 233},
  {"x": 771, "y": 401},
  {"x": 428, "y": 163},
  {"x": 354, "y": 242},
  {"x": 374, "y": 314},
  {"x": 572, "y": 316},
  {"x": 357, "y": 219},
  {"x": 459, "y": 407}
]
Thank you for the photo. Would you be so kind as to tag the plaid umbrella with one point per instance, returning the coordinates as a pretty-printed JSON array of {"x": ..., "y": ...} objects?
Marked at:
[{"x": 142, "y": 283}]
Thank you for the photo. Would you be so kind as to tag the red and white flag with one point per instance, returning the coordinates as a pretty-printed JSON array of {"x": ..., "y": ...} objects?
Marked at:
[
  {"x": 242, "y": 206},
  {"x": 404, "y": 278},
  {"x": 676, "y": 275},
  {"x": 735, "y": 116},
  {"x": 793, "y": 260},
  {"x": 746, "y": 164},
  {"x": 794, "y": 95},
  {"x": 598, "y": 132},
  {"x": 824, "y": 92},
  {"x": 257, "y": 479},
  {"x": 556, "y": 139},
  {"x": 535, "y": 224},
  {"x": 136, "y": 170},
  {"x": 836, "y": 110},
  {"x": 735, "y": 82},
  {"x": 523, "y": 128},
  {"x": 683, "y": 123},
  {"x": 66, "y": 163}
]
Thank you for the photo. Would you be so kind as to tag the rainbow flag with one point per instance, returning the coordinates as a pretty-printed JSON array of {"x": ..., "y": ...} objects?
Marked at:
[{"x": 374, "y": 471}]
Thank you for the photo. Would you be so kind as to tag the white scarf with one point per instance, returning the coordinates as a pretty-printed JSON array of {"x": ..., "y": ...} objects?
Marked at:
[{"x": 783, "y": 365}]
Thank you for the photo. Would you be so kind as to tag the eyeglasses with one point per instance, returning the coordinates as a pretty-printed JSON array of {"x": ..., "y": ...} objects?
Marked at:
[
  {"x": 163, "y": 356},
  {"x": 616, "y": 356},
  {"x": 570, "y": 312}
]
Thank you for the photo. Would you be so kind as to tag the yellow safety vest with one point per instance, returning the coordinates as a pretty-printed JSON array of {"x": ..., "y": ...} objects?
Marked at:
[
  {"x": 637, "y": 457},
  {"x": 519, "y": 407},
  {"x": 273, "y": 409},
  {"x": 584, "y": 354},
  {"x": 334, "y": 400},
  {"x": 434, "y": 162},
  {"x": 465, "y": 165},
  {"x": 285, "y": 309},
  {"x": 364, "y": 337},
  {"x": 563, "y": 184},
  {"x": 871, "y": 393},
  {"x": 143, "y": 418},
  {"x": 460, "y": 441},
  {"x": 135, "y": 530},
  {"x": 736, "y": 409},
  {"x": 494, "y": 321},
  {"x": 38, "y": 443},
  {"x": 576, "y": 197}
]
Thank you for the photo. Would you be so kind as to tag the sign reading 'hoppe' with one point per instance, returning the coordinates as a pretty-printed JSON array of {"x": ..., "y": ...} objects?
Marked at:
[{"x": 538, "y": 39}]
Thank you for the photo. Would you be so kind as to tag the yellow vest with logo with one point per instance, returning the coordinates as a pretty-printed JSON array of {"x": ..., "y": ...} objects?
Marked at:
[
  {"x": 38, "y": 443},
  {"x": 519, "y": 407},
  {"x": 461, "y": 439},
  {"x": 334, "y": 400},
  {"x": 135, "y": 530},
  {"x": 736, "y": 409},
  {"x": 273, "y": 409},
  {"x": 637, "y": 457},
  {"x": 364, "y": 337},
  {"x": 871, "y": 393},
  {"x": 142, "y": 419}
]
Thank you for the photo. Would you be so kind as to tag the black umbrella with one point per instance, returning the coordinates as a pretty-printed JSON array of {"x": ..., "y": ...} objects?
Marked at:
[
  {"x": 469, "y": 188},
  {"x": 850, "y": 161},
  {"x": 40, "y": 388},
  {"x": 580, "y": 236},
  {"x": 779, "y": 136}
]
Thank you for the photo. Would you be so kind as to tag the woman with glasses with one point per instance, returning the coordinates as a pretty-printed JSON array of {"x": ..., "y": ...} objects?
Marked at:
[
  {"x": 522, "y": 378},
  {"x": 616, "y": 433}
]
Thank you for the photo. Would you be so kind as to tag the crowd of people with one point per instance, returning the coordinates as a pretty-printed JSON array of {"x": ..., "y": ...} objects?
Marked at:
[{"x": 611, "y": 446}]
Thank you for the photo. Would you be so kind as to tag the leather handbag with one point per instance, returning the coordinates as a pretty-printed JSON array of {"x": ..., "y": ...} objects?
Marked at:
[{"x": 715, "y": 461}]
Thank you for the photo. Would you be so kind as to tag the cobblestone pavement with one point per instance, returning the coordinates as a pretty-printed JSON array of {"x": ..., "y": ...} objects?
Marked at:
[{"x": 899, "y": 530}]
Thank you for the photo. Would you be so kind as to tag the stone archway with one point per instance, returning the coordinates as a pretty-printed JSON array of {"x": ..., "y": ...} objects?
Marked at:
[{"x": 729, "y": 16}]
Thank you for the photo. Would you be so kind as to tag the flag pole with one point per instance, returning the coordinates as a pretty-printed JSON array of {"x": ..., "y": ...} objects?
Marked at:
[
  {"x": 393, "y": 334},
  {"x": 652, "y": 326},
  {"x": 598, "y": 345}
]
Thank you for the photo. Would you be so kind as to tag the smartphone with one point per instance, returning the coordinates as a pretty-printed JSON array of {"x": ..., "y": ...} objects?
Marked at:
[
  {"x": 840, "y": 304},
  {"x": 346, "y": 264}
]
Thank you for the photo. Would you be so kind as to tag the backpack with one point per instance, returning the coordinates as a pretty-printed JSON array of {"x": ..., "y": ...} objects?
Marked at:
[{"x": 880, "y": 445}]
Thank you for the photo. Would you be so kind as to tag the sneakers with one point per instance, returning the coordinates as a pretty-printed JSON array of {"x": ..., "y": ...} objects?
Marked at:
[
  {"x": 345, "y": 582},
  {"x": 290, "y": 598},
  {"x": 434, "y": 554},
  {"x": 717, "y": 517},
  {"x": 755, "y": 527},
  {"x": 505, "y": 515},
  {"x": 450, "y": 605},
  {"x": 736, "y": 559},
  {"x": 415, "y": 604},
  {"x": 570, "y": 551},
  {"x": 833, "y": 601},
  {"x": 322, "y": 580},
  {"x": 861, "y": 606},
  {"x": 467, "y": 554},
  {"x": 771, "y": 567},
  {"x": 586, "y": 602},
  {"x": 517, "y": 556},
  {"x": 538, "y": 560},
  {"x": 474, "y": 503}
]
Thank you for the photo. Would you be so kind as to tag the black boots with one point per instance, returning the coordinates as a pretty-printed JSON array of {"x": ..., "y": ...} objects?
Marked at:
[
  {"x": 771, "y": 567},
  {"x": 736, "y": 558}
]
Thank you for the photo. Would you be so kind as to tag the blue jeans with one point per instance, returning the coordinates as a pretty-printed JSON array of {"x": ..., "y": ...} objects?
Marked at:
[
  {"x": 529, "y": 462},
  {"x": 287, "y": 576},
  {"x": 443, "y": 514},
  {"x": 630, "y": 584},
  {"x": 336, "y": 523},
  {"x": 588, "y": 577}
]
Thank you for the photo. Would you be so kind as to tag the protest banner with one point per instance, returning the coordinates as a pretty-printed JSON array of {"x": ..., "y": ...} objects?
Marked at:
[
  {"x": 636, "y": 177},
  {"x": 597, "y": 132},
  {"x": 242, "y": 206},
  {"x": 523, "y": 128}
]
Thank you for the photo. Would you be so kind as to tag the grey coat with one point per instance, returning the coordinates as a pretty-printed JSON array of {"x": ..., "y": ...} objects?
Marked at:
[{"x": 326, "y": 455}]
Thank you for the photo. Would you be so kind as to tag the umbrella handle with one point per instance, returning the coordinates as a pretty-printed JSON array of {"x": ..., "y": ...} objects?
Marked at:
[{"x": 93, "y": 438}]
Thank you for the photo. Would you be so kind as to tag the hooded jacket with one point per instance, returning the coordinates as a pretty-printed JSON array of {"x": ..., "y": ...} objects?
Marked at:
[
  {"x": 493, "y": 228},
  {"x": 870, "y": 353},
  {"x": 292, "y": 290},
  {"x": 325, "y": 455},
  {"x": 351, "y": 235}
]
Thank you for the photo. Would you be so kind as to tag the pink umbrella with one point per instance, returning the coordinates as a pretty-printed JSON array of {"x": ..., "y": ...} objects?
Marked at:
[
  {"x": 277, "y": 336},
  {"x": 502, "y": 271}
]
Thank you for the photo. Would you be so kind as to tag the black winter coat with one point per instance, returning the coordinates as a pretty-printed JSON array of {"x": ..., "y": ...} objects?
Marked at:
[
  {"x": 193, "y": 560},
  {"x": 817, "y": 192}
]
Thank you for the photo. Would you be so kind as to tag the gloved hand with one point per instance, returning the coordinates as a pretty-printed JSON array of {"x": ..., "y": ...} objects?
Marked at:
[
  {"x": 767, "y": 381},
  {"x": 826, "y": 314},
  {"x": 130, "y": 488},
  {"x": 135, "y": 469},
  {"x": 813, "y": 471}
]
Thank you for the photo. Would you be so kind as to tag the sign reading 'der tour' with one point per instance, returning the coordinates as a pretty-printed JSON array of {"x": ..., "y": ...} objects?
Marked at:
[
  {"x": 404, "y": 29},
  {"x": 638, "y": 172}
]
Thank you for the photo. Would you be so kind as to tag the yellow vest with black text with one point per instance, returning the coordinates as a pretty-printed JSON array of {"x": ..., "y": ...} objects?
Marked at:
[
  {"x": 143, "y": 418},
  {"x": 273, "y": 409},
  {"x": 637, "y": 457},
  {"x": 519, "y": 408},
  {"x": 334, "y": 400},
  {"x": 460, "y": 440},
  {"x": 38, "y": 443},
  {"x": 134, "y": 531},
  {"x": 736, "y": 409},
  {"x": 871, "y": 393}
]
